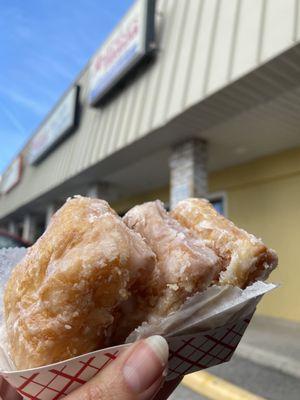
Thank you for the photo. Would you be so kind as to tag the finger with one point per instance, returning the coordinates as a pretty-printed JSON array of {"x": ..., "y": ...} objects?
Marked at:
[
  {"x": 150, "y": 393},
  {"x": 7, "y": 392},
  {"x": 138, "y": 369}
]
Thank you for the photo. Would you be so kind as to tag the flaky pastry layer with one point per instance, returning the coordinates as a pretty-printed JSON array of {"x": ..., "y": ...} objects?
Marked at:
[{"x": 245, "y": 257}]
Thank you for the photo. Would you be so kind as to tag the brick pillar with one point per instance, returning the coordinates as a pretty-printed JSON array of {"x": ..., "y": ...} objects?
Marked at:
[
  {"x": 29, "y": 228},
  {"x": 188, "y": 171},
  {"x": 104, "y": 191},
  {"x": 94, "y": 191}
]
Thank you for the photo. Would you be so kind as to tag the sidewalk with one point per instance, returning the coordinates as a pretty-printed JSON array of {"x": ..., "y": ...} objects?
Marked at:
[{"x": 272, "y": 343}]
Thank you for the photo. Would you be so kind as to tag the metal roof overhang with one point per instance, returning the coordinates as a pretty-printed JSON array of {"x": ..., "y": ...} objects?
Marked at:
[{"x": 257, "y": 115}]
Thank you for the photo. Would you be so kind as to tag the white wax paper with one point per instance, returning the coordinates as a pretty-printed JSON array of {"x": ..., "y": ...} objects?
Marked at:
[
  {"x": 8, "y": 259},
  {"x": 215, "y": 307}
]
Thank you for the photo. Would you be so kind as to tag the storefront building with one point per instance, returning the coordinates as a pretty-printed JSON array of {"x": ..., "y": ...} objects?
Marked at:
[{"x": 185, "y": 98}]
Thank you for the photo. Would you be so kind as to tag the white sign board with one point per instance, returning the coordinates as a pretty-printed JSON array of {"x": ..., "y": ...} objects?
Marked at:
[
  {"x": 12, "y": 175},
  {"x": 55, "y": 128},
  {"x": 127, "y": 45}
]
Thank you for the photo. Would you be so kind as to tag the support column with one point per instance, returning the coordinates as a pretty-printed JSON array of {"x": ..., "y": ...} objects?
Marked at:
[
  {"x": 104, "y": 191},
  {"x": 188, "y": 171},
  {"x": 51, "y": 208},
  {"x": 94, "y": 190},
  {"x": 29, "y": 228},
  {"x": 12, "y": 228}
]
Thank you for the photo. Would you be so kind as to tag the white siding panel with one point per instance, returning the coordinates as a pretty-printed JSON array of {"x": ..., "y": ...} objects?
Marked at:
[
  {"x": 163, "y": 34},
  {"x": 202, "y": 49},
  {"x": 99, "y": 131},
  {"x": 247, "y": 39},
  {"x": 140, "y": 102},
  {"x": 96, "y": 122},
  {"x": 117, "y": 122},
  {"x": 297, "y": 21},
  {"x": 108, "y": 118},
  {"x": 176, "y": 74},
  {"x": 222, "y": 45},
  {"x": 170, "y": 53},
  {"x": 278, "y": 27},
  {"x": 84, "y": 144},
  {"x": 184, "y": 57},
  {"x": 146, "y": 106},
  {"x": 124, "y": 129},
  {"x": 81, "y": 143}
]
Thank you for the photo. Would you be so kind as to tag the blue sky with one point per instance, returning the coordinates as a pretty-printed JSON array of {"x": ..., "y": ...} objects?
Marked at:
[{"x": 43, "y": 46}]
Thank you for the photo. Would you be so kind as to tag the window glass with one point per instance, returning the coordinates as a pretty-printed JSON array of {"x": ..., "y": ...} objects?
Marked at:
[{"x": 218, "y": 205}]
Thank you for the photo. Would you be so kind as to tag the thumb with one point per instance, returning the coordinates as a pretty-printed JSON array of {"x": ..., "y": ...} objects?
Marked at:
[{"x": 137, "y": 374}]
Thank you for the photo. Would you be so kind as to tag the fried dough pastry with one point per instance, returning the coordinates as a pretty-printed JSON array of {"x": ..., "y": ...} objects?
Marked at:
[
  {"x": 245, "y": 257},
  {"x": 63, "y": 298},
  {"x": 185, "y": 265}
]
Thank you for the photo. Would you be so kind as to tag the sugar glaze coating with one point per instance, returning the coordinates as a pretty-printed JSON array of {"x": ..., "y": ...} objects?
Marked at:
[
  {"x": 185, "y": 264},
  {"x": 64, "y": 297}
]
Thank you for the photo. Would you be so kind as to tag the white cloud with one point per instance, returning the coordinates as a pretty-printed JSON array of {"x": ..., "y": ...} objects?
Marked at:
[
  {"x": 46, "y": 67},
  {"x": 12, "y": 118},
  {"x": 59, "y": 68},
  {"x": 36, "y": 106},
  {"x": 46, "y": 92}
]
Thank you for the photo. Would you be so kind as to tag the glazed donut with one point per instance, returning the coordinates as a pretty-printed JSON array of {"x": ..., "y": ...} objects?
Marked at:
[
  {"x": 64, "y": 297},
  {"x": 185, "y": 265}
]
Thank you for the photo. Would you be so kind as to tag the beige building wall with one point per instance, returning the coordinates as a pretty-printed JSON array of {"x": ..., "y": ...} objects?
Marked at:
[{"x": 264, "y": 198}]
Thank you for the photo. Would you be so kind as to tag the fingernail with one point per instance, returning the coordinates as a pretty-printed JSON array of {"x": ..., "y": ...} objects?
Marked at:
[{"x": 146, "y": 364}]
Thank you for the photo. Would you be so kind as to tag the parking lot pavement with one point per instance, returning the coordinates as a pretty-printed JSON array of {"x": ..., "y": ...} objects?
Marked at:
[
  {"x": 273, "y": 343},
  {"x": 262, "y": 381},
  {"x": 183, "y": 393}
]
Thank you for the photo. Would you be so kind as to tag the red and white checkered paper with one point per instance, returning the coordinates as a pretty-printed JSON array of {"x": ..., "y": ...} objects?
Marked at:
[{"x": 187, "y": 354}]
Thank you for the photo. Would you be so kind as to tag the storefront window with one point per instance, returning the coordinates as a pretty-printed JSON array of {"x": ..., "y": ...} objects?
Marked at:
[{"x": 218, "y": 205}]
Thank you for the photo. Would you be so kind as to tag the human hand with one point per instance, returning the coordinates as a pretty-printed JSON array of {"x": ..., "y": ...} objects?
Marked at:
[{"x": 137, "y": 374}]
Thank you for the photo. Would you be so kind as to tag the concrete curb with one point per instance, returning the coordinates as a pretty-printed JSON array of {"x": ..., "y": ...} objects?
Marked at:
[{"x": 269, "y": 359}]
